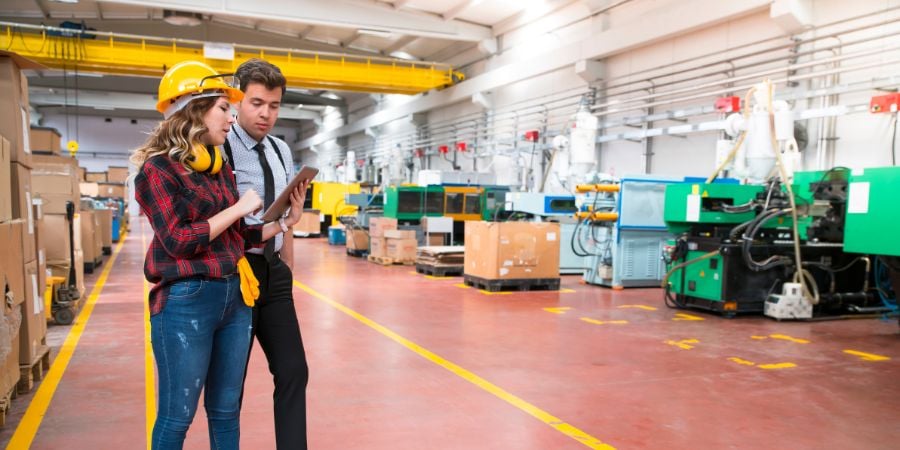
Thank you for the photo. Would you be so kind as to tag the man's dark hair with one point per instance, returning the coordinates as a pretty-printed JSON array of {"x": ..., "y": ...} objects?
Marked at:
[{"x": 256, "y": 70}]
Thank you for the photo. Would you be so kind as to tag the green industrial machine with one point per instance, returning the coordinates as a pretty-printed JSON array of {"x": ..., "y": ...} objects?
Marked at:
[
  {"x": 411, "y": 203},
  {"x": 493, "y": 199},
  {"x": 736, "y": 248}
]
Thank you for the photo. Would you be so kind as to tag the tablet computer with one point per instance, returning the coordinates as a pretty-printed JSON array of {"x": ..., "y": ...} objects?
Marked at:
[{"x": 283, "y": 202}]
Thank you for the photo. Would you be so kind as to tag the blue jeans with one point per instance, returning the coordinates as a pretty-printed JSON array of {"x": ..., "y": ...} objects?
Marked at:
[{"x": 200, "y": 341}]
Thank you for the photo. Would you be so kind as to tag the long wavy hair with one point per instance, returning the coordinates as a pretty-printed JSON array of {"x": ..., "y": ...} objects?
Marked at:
[{"x": 177, "y": 135}]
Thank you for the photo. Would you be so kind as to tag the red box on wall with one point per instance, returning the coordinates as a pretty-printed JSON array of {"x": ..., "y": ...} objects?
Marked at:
[
  {"x": 885, "y": 103},
  {"x": 460, "y": 146},
  {"x": 443, "y": 149},
  {"x": 728, "y": 104},
  {"x": 532, "y": 135}
]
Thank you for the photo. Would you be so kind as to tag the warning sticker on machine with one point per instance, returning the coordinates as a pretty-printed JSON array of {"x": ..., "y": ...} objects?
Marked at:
[
  {"x": 693, "y": 208},
  {"x": 858, "y": 199}
]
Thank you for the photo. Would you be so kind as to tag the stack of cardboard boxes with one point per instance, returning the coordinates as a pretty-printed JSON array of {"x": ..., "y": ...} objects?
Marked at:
[
  {"x": 22, "y": 321},
  {"x": 55, "y": 183},
  {"x": 388, "y": 244}
]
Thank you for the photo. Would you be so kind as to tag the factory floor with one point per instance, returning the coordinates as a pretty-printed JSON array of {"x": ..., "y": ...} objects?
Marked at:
[{"x": 400, "y": 360}]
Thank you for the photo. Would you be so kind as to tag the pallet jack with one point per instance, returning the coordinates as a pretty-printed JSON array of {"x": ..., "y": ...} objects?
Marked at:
[{"x": 61, "y": 294}]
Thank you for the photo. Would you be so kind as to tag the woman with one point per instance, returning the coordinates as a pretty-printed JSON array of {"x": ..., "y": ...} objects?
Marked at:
[{"x": 200, "y": 304}]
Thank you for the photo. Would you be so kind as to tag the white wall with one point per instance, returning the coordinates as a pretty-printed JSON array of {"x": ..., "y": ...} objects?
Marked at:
[{"x": 862, "y": 139}]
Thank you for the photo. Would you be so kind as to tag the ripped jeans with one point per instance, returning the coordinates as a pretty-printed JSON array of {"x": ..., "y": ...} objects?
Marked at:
[{"x": 200, "y": 341}]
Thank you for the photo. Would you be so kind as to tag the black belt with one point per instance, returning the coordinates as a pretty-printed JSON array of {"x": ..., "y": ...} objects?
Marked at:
[{"x": 275, "y": 256}]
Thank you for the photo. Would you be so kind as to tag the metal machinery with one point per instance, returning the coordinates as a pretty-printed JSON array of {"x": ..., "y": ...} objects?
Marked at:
[
  {"x": 328, "y": 198},
  {"x": 411, "y": 203},
  {"x": 621, "y": 231},
  {"x": 553, "y": 208},
  {"x": 493, "y": 201},
  {"x": 737, "y": 251},
  {"x": 367, "y": 206}
]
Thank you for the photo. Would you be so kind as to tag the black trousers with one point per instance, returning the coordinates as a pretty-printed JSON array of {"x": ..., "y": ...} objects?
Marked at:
[{"x": 275, "y": 326}]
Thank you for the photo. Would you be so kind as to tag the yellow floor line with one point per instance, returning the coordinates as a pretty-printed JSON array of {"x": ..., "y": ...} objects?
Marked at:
[
  {"x": 149, "y": 380},
  {"x": 547, "y": 418},
  {"x": 31, "y": 421}
]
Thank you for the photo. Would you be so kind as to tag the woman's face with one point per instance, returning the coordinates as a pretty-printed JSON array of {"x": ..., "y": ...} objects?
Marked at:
[{"x": 218, "y": 120}]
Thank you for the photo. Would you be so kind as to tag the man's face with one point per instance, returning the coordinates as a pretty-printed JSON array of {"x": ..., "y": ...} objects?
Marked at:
[{"x": 258, "y": 111}]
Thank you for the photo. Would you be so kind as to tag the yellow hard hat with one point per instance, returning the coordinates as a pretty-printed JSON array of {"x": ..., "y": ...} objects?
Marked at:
[{"x": 190, "y": 80}]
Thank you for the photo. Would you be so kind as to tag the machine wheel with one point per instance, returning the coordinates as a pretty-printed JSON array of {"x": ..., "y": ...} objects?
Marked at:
[{"x": 64, "y": 316}]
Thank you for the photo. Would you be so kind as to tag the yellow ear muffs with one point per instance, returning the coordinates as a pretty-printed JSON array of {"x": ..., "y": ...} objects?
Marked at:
[{"x": 206, "y": 159}]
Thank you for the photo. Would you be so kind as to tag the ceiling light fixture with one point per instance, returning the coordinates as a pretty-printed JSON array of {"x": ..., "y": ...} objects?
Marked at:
[
  {"x": 379, "y": 33},
  {"x": 182, "y": 18}
]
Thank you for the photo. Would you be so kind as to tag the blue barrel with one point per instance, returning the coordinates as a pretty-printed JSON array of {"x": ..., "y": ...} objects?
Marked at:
[
  {"x": 337, "y": 236},
  {"x": 116, "y": 226}
]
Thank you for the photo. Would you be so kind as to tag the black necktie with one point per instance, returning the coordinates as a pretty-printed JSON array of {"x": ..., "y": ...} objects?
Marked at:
[{"x": 268, "y": 195}]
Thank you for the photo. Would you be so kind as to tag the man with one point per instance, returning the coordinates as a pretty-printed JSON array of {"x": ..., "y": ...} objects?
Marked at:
[{"x": 264, "y": 163}]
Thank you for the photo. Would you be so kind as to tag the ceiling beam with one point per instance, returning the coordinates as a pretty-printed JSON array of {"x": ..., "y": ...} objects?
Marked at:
[
  {"x": 351, "y": 40},
  {"x": 402, "y": 42},
  {"x": 398, "y": 4},
  {"x": 40, "y": 5},
  {"x": 455, "y": 11},
  {"x": 334, "y": 13}
]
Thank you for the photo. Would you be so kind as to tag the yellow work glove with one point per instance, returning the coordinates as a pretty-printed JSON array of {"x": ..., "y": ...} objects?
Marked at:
[{"x": 249, "y": 283}]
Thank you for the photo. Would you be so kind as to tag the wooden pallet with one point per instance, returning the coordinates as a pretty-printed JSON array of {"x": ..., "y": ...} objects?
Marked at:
[
  {"x": 385, "y": 261},
  {"x": 5, "y": 403},
  {"x": 439, "y": 271},
  {"x": 356, "y": 253},
  {"x": 522, "y": 284},
  {"x": 34, "y": 372}
]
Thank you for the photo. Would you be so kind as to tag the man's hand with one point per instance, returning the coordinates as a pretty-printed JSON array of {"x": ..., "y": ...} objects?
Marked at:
[{"x": 298, "y": 196}]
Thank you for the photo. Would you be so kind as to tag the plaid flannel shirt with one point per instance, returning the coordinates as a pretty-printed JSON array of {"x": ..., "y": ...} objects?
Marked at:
[{"x": 179, "y": 203}]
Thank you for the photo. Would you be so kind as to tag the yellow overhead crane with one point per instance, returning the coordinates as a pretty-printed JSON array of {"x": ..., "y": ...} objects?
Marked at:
[{"x": 124, "y": 54}]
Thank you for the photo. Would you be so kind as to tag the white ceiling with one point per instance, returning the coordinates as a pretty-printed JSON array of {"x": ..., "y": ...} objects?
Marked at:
[{"x": 421, "y": 28}]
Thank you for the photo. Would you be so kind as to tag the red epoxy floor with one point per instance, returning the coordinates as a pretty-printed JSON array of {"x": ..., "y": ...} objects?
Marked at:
[{"x": 637, "y": 379}]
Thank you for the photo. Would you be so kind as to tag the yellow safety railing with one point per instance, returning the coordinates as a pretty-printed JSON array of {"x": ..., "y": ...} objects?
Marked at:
[{"x": 124, "y": 54}]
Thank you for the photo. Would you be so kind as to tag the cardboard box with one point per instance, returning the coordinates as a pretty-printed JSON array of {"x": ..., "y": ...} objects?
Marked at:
[
  {"x": 45, "y": 140},
  {"x": 56, "y": 248},
  {"x": 76, "y": 232},
  {"x": 377, "y": 225},
  {"x": 438, "y": 239},
  {"x": 14, "y": 262},
  {"x": 401, "y": 249},
  {"x": 377, "y": 246},
  {"x": 95, "y": 177},
  {"x": 22, "y": 193},
  {"x": 34, "y": 323},
  {"x": 82, "y": 172},
  {"x": 21, "y": 242},
  {"x": 10, "y": 322},
  {"x": 112, "y": 190},
  {"x": 88, "y": 236},
  {"x": 89, "y": 189},
  {"x": 399, "y": 234},
  {"x": 104, "y": 221},
  {"x": 6, "y": 196},
  {"x": 512, "y": 250},
  {"x": 309, "y": 222},
  {"x": 357, "y": 239},
  {"x": 117, "y": 174},
  {"x": 79, "y": 272},
  {"x": 55, "y": 180},
  {"x": 15, "y": 123}
]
